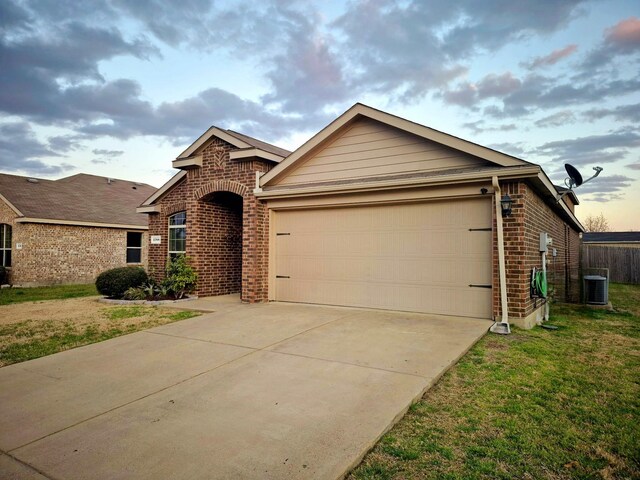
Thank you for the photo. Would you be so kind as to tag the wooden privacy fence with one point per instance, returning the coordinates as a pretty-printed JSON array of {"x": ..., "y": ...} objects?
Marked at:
[{"x": 623, "y": 262}]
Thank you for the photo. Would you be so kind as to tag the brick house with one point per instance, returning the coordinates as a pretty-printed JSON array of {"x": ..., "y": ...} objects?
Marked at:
[
  {"x": 373, "y": 211},
  {"x": 69, "y": 230}
]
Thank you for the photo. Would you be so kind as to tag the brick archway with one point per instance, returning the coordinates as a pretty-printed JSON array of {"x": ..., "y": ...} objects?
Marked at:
[{"x": 220, "y": 186}]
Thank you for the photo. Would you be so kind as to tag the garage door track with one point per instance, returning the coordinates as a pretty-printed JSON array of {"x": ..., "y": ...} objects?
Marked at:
[{"x": 250, "y": 391}]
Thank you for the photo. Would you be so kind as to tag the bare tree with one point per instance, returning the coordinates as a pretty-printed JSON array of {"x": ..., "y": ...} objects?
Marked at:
[{"x": 596, "y": 223}]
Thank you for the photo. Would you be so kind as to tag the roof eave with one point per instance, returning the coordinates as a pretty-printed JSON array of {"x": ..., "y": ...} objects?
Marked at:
[
  {"x": 81, "y": 223},
  {"x": 254, "y": 152},
  {"x": 504, "y": 174}
]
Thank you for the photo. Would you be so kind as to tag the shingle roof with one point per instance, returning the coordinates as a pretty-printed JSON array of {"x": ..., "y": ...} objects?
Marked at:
[
  {"x": 81, "y": 197},
  {"x": 610, "y": 237},
  {"x": 254, "y": 142}
]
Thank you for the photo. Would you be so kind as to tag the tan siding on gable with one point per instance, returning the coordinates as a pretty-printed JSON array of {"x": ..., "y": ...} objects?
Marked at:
[{"x": 369, "y": 148}]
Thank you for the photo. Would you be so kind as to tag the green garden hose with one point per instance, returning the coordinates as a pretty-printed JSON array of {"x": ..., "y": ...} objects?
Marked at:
[{"x": 541, "y": 283}]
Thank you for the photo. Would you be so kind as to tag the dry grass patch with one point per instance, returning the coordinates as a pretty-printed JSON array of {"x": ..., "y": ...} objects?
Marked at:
[{"x": 32, "y": 330}]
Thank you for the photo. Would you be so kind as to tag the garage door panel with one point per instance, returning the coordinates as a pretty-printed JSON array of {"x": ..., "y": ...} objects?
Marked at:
[{"x": 416, "y": 257}]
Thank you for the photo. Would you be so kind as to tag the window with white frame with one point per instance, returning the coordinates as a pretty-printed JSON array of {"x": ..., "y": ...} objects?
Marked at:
[
  {"x": 177, "y": 234},
  {"x": 5, "y": 245},
  {"x": 134, "y": 247}
]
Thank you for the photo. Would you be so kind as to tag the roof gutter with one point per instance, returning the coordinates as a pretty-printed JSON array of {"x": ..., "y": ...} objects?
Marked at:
[{"x": 502, "y": 326}]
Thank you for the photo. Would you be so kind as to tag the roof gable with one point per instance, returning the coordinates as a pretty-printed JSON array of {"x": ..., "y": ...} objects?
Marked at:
[
  {"x": 360, "y": 112},
  {"x": 367, "y": 148},
  {"x": 248, "y": 147}
]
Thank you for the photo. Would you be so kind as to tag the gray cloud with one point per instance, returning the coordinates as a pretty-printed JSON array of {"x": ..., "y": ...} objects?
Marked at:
[
  {"x": 634, "y": 166},
  {"x": 556, "y": 120},
  {"x": 594, "y": 149},
  {"x": 20, "y": 151},
  {"x": 622, "y": 113},
  {"x": 107, "y": 153},
  {"x": 551, "y": 59},
  {"x": 621, "y": 39},
  {"x": 481, "y": 126},
  {"x": 605, "y": 188},
  {"x": 515, "y": 149},
  {"x": 64, "y": 143},
  {"x": 307, "y": 75}
]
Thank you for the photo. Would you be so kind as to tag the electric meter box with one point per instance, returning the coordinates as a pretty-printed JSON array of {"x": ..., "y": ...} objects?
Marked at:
[{"x": 545, "y": 241}]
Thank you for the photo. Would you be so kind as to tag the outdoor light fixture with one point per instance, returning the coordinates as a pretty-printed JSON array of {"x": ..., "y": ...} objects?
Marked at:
[{"x": 505, "y": 204}]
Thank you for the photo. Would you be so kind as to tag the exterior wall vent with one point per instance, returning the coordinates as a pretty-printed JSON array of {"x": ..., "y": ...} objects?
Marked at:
[{"x": 596, "y": 290}]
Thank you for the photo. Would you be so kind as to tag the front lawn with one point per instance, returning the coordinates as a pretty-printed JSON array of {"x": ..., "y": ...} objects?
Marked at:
[
  {"x": 30, "y": 330},
  {"x": 534, "y": 404},
  {"x": 56, "y": 292}
]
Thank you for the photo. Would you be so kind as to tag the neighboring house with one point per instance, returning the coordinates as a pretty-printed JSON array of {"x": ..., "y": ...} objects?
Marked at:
[
  {"x": 373, "y": 211},
  {"x": 612, "y": 239},
  {"x": 69, "y": 230}
]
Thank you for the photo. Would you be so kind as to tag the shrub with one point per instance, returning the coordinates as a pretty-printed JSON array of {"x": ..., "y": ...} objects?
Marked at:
[
  {"x": 4, "y": 275},
  {"x": 181, "y": 278},
  {"x": 135, "y": 293},
  {"x": 113, "y": 283}
]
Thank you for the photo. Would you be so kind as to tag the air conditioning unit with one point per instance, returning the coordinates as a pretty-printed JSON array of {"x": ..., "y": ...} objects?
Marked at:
[{"x": 596, "y": 290}]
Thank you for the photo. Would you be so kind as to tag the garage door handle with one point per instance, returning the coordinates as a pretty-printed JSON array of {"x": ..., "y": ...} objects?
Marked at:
[
  {"x": 488, "y": 229},
  {"x": 480, "y": 286},
  {"x": 283, "y": 276}
]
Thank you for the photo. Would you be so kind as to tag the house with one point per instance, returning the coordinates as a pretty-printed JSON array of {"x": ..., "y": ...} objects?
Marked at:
[
  {"x": 373, "y": 211},
  {"x": 69, "y": 230},
  {"x": 612, "y": 239}
]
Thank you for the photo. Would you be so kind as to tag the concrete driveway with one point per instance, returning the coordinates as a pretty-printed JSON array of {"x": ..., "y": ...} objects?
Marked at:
[{"x": 250, "y": 391}]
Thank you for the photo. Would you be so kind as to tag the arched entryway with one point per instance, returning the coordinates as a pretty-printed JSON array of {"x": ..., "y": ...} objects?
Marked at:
[{"x": 217, "y": 239}]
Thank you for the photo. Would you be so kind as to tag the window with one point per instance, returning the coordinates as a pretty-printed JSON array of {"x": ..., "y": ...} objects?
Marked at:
[
  {"x": 5, "y": 245},
  {"x": 177, "y": 234},
  {"x": 134, "y": 247}
]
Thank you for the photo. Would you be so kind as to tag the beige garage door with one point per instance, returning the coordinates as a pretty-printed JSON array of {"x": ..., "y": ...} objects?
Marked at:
[{"x": 430, "y": 257}]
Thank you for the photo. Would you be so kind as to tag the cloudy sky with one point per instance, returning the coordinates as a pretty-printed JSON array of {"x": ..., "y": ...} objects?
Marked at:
[{"x": 121, "y": 87}]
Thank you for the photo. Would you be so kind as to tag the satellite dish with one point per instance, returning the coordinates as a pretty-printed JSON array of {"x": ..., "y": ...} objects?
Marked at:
[{"x": 575, "y": 179}]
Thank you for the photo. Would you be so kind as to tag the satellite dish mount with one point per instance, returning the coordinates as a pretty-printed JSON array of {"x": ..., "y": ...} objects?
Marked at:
[{"x": 574, "y": 180}]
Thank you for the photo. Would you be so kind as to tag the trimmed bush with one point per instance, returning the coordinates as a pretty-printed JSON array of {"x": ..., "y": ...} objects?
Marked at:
[
  {"x": 113, "y": 283},
  {"x": 4, "y": 275}
]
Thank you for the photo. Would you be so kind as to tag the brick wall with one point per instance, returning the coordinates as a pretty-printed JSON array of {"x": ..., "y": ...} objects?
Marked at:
[
  {"x": 213, "y": 238},
  {"x": 531, "y": 216}
]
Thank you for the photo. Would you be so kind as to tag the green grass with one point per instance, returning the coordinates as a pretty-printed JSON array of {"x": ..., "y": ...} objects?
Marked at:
[
  {"x": 31, "y": 339},
  {"x": 534, "y": 404},
  {"x": 57, "y": 292}
]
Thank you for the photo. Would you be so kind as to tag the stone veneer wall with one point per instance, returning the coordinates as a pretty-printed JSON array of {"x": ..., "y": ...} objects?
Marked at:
[{"x": 531, "y": 216}]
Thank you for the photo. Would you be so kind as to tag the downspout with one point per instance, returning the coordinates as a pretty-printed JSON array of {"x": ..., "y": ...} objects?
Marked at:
[{"x": 502, "y": 326}]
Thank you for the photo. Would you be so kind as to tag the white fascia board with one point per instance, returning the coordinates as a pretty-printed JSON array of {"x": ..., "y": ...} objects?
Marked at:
[
  {"x": 165, "y": 188},
  {"x": 149, "y": 209},
  {"x": 212, "y": 132},
  {"x": 254, "y": 152},
  {"x": 195, "y": 161}
]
